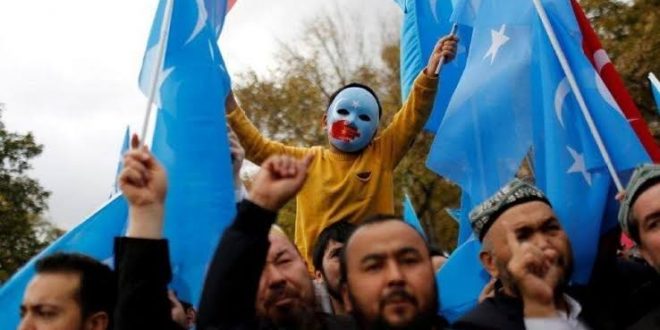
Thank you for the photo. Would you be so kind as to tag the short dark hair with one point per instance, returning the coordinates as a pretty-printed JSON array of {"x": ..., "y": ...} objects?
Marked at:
[
  {"x": 358, "y": 85},
  {"x": 633, "y": 226},
  {"x": 98, "y": 286},
  {"x": 338, "y": 232},
  {"x": 374, "y": 219}
]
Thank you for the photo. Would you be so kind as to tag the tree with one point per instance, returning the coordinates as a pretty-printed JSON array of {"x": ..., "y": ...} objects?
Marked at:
[
  {"x": 23, "y": 231},
  {"x": 288, "y": 106},
  {"x": 630, "y": 32}
]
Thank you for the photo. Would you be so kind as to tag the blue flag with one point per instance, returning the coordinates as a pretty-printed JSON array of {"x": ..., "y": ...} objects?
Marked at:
[
  {"x": 190, "y": 139},
  {"x": 568, "y": 164},
  {"x": 486, "y": 131},
  {"x": 460, "y": 280},
  {"x": 410, "y": 216},
  {"x": 424, "y": 23},
  {"x": 93, "y": 237},
  {"x": 511, "y": 84},
  {"x": 463, "y": 217},
  {"x": 655, "y": 87}
]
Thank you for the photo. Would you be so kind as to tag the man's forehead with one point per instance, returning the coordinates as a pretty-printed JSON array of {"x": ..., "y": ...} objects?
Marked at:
[
  {"x": 52, "y": 287},
  {"x": 383, "y": 237},
  {"x": 648, "y": 201},
  {"x": 531, "y": 213},
  {"x": 279, "y": 243}
]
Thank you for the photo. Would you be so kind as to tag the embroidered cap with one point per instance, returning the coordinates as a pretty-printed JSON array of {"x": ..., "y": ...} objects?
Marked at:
[
  {"x": 642, "y": 178},
  {"x": 513, "y": 193}
]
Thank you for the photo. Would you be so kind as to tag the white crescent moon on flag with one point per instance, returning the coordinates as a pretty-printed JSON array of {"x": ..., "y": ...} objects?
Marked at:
[
  {"x": 434, "y": 9},
  {"x": 560, "y": 96},
  {"x": 202, "y": 15}
]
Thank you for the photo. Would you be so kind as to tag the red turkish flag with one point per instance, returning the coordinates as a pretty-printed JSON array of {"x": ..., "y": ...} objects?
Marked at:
[{"x": 599, "y": 59}]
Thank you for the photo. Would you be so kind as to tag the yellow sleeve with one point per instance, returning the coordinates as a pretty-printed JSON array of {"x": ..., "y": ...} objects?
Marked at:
[
  {"x": 398, "y": 136},
  {"x": 257, "y": 147}
]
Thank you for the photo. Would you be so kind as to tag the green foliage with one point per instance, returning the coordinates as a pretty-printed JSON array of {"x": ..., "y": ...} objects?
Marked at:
[
  {"x": 289, "y": 104},
  {"x": 23, "y": 232}
]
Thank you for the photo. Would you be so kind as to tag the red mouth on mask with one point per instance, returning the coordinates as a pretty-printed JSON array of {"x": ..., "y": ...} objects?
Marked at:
[{"x": 340, "y": 130}]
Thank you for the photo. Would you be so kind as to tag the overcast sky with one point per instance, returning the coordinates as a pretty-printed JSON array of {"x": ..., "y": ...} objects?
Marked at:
[{"x": 68, "y": 73}]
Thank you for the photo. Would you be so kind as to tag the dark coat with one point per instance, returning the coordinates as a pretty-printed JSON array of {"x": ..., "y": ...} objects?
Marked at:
[
  {"x": 506, "y": 313},
  {"x": 143, "y": 271},
  {"x": 232, "y": 281}
]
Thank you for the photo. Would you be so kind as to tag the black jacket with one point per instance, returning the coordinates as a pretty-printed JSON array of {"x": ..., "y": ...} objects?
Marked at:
[
  {"x": 232, "y": 281},
  {"x": 143, "y": 271}
]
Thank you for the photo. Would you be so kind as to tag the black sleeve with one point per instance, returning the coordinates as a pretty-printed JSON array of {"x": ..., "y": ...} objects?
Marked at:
[
  {"x": 143, "y": 271},
  {"x": 233, "y": 277}
]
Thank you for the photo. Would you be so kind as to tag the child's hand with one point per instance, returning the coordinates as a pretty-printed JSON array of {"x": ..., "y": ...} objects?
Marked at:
[{"x": 446, "y": 47}]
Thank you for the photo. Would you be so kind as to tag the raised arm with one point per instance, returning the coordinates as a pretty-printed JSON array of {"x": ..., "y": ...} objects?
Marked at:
[
  {"x": 257, "y": 147},
  {"x": 410, "y": 119},
  {"x": 142, "y": 257},
  {"x": 230, "y": 289}
]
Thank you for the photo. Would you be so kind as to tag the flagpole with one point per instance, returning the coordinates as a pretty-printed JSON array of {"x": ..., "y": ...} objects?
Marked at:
[
  {"x": 164, "y": 36},
  {"x": 578, "y": 94},
  {"x": 454, "y": 29}
]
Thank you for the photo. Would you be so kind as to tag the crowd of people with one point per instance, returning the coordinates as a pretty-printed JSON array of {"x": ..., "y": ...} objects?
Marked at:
[{"x": 353, "y": 264}]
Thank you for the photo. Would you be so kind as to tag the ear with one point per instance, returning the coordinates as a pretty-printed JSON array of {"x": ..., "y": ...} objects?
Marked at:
[
  {"x": 318, "y": 275},
  {"x": 348, "y": 306},
  {"x": 97, "y": 321},
  {"x": 488, "y": 261}
]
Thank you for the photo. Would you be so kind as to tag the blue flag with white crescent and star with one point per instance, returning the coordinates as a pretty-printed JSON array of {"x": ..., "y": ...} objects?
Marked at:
[
  {"x": 568, "y": 164},
  {"x": 485, "y": 132},
  {"x": 512, "y": 98},
  {"x": 424, "y": 23},
  {"x": 190, "y": 139}
]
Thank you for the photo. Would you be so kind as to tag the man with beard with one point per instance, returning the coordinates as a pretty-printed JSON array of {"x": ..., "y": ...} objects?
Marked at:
[
  {"x": 524, "y": 244},
  {"x": 326, "y": 262},
  {"x": 257, "y": 279},
  {"x": 388, "y": 280}
]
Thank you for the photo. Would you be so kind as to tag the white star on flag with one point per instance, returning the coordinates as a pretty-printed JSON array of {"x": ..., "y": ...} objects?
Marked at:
[
  {"x": 498, "y": 39},
  {"x": 578, "y": 165}
]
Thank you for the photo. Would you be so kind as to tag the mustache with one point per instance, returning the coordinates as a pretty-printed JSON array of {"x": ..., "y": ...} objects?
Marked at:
[
  {"x": 281, "y": 293},
  {"x": 397, "y": 295}
]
